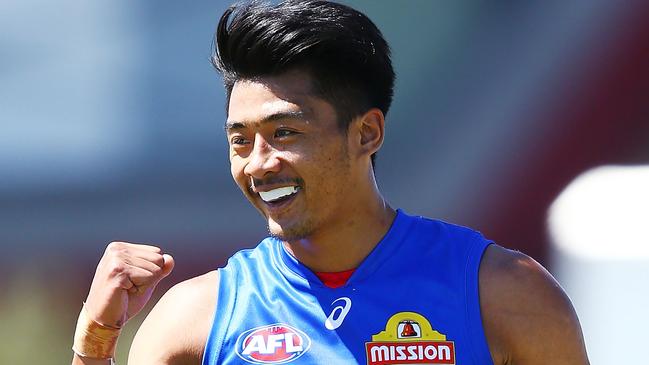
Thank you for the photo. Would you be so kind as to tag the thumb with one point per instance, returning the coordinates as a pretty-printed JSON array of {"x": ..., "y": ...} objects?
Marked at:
[{"x": 168, "y": 265}]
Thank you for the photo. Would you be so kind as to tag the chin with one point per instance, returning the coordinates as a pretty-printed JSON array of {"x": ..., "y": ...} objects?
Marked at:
[{"x": 289, "y": 233}]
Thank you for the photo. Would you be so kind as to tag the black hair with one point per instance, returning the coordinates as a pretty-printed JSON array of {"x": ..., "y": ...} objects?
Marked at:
[{"x": 339, "y": 47}]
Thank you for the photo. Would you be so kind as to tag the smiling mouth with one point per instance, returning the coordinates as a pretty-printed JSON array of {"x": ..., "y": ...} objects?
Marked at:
[{"x": 278, "y": 195}]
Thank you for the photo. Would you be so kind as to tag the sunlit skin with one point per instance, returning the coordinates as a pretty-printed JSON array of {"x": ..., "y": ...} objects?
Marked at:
[{"x": 281, "y": 134}]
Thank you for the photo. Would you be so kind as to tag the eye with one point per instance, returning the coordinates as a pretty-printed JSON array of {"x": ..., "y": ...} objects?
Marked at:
[
  {"x": 283, "y": 132},
  {"x": 238, "y": 141}
]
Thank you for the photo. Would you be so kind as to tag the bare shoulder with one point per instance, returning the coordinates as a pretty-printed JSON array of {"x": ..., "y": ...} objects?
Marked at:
[
  {"x": 528, "y": 318},
  {"x": 176, "y": 329}
]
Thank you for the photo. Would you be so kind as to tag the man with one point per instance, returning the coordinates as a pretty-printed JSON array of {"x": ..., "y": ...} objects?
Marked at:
[{"x": 344, "y": 278}]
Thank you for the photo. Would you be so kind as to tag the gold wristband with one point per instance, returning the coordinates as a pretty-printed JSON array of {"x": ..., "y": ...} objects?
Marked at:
[{"x": 94, "y": 340}]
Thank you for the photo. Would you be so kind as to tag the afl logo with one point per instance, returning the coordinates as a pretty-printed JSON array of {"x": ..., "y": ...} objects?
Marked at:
[{"x": 273, "y": 344}]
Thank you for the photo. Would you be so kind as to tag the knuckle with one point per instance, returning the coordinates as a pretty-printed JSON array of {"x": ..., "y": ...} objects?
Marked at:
[{"x": 114, "y": 247}]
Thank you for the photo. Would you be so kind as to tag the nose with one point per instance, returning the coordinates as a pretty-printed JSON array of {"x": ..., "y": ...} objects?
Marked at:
[{"x": 262, "y": 160}]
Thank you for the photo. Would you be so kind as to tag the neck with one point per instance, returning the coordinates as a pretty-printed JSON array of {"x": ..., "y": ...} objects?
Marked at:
[{"x": 344, "y": 242}]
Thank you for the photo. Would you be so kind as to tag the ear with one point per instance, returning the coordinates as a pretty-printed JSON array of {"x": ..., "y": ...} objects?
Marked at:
[{"x": 371, "y": 131}]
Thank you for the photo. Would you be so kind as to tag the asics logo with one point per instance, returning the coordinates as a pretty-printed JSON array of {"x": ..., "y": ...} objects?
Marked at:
[{"x": 339, "y": 313}]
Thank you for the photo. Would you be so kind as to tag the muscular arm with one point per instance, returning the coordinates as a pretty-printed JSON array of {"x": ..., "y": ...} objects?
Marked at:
[
  {"x": 528, "y": 318},
  {"x": 175, "y": 331}
]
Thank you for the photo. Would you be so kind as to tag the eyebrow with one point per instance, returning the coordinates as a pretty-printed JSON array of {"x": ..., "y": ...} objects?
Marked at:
[{"x": 235, "y": 125}]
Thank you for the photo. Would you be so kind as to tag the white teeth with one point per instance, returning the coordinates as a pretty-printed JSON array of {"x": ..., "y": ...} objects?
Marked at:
[{"x": 269, "y": 196}]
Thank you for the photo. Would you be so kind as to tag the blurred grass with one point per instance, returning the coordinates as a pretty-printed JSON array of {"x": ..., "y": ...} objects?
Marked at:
[
  {"x": 31, "y": 332},
  {"x": 37, "y": 321}
]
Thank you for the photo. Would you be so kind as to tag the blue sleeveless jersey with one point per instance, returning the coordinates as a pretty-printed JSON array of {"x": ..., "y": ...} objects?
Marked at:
[{"x": 413, "y": 300}]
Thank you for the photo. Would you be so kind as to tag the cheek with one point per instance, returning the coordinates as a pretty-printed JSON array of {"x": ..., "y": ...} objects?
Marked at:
[
  {"x": 236, "y": 169},
  {"x": 329, "y": 168}
]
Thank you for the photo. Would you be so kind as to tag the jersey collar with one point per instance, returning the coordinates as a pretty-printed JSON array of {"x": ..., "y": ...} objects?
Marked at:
[{"x": 298, "y": 273}]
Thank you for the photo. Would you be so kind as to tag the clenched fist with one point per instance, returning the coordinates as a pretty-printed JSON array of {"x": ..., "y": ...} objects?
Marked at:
[{"x": 124, "y": 281}]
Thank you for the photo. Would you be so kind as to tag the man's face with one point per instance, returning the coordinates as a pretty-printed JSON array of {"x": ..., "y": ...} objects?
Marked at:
[{"x": 288, "y": 155}]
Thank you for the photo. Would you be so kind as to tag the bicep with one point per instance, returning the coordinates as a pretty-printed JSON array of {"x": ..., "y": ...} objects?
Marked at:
[
  {"x": 528, "y": 317},
  {"x": 176, "y": 329}
]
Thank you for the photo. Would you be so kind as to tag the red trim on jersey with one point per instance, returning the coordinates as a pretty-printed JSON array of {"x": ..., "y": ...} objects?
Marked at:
[{"x": 334, "y": 279}]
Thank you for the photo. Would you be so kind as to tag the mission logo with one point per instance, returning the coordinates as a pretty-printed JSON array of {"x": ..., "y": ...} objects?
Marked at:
[
  {"x": 273, "y": 344},
  {"x": 409, "y": 338}
]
